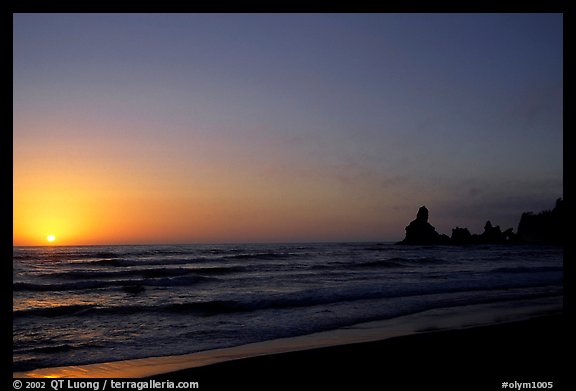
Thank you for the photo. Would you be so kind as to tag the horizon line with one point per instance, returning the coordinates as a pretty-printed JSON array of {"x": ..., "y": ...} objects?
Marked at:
[{"x": 212, "y": 243}]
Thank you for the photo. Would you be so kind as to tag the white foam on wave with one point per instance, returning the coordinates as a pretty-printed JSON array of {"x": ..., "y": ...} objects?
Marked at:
[{"x": 426, "y": 321}]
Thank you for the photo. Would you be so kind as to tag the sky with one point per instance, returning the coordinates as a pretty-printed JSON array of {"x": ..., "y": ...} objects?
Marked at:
[{"x": 227, "y": 128}]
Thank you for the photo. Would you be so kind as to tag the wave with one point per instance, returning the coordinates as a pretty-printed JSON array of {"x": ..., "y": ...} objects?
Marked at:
[
  {"x": 527, "y": 269},
  {"x": 271, "y": 255},
  {"x": 208, "y": 307},
  {"x": 87, "y": 274},
  {"x": 146, "y": 273},
  {"x": 381, "y": 263},
  {"x": 306, "y": 298},
  {"x": 24, "y": 256},
  {"x": 54, "y": 349},
  {"x": 62, "y": 347},
  {"x": 421, "y": 261},
  {"x": 217, "y": 270},
  {"x": 63, "y": 310},
  {"x": 130, "y": 256},
  {"x": 63, "y": 255},
  {"x": 83, "y": 253},
  {"x": 126, "y": 262},
  {"x": 97, "y": 284},
  {"x": 211, "y": 307},
  {"x": 397, "y": 262}
]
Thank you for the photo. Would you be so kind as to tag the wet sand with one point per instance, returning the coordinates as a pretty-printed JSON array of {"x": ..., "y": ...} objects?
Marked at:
[
  {"x": 478, "y": 342},
  {"x": 478, "y": 358}
]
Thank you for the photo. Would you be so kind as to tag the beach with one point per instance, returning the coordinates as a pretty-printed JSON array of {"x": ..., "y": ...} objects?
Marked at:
[
  {"x": 483, "y": 358},
  {"x": 476, "y": 344}
]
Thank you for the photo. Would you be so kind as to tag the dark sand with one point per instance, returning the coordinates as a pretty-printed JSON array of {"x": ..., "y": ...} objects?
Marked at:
[{"x": 479, "y": 358}]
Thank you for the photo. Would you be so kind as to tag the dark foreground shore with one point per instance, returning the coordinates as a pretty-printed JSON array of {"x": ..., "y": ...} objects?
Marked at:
[{"x": 532, "y": 351}]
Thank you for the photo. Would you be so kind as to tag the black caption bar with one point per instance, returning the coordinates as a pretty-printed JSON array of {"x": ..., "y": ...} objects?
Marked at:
[{"x": 101, "y": 384}]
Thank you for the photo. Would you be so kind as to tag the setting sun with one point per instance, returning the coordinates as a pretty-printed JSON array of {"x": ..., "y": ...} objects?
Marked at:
[{"x": 50, "y": 238}]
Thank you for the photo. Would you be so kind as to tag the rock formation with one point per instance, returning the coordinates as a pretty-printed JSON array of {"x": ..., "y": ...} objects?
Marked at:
[
  {"x": 461, "y": 236},
  {"x": 491, "y": 234},
  {"x": 543, "y": 228},
  {"x": 420, "y": 231}
]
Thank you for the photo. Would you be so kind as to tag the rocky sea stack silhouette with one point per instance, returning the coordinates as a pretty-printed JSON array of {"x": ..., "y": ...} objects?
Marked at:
[
  {"x": 545, "y": 227},
  {"x": 542, "y": 228},
  {"x": 420, "y": 231}
]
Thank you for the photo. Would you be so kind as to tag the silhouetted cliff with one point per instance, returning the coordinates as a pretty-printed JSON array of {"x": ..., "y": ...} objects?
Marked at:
[
  {"x": 461, "y": 236},
  {"x": 543, "y": 228},
  {"x": 420, "y": 231}
]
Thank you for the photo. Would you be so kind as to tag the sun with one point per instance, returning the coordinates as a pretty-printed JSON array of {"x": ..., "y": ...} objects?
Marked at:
[{"x": 50, "y": 238}]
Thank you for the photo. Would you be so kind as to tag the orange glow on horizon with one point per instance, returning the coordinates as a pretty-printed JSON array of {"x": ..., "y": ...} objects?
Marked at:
[
  {"x": 98, "y": 193},
  {"x": 96, "y": 210},
  {"x": 93, "y": 212}
]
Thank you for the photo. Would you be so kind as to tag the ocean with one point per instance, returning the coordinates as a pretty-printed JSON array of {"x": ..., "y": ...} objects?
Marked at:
[{"x": 89, "y": 304}]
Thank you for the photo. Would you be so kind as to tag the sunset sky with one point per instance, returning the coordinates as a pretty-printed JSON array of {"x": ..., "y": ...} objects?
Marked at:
[{"x": 204, "y": 128}]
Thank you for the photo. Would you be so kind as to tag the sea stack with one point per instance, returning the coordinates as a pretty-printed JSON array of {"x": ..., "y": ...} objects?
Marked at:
[
  {"x": 547, "y": 227},
  {"x": 421, "y": 232}
]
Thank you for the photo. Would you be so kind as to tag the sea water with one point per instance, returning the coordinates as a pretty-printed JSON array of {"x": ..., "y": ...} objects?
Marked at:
[{"x": 88, "y": 304}]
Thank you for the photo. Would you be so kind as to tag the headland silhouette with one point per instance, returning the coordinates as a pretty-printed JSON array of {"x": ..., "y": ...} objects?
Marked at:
[{"x": 543, "y": 228}]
